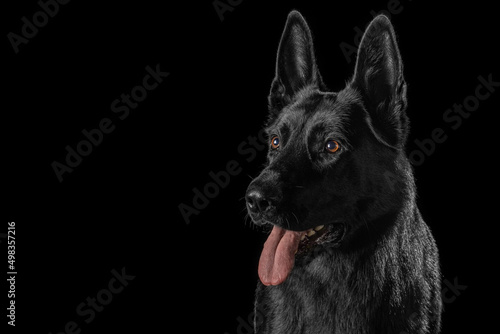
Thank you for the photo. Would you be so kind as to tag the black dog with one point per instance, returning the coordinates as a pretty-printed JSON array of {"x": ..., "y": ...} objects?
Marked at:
[{"x": 348, "y": 251}]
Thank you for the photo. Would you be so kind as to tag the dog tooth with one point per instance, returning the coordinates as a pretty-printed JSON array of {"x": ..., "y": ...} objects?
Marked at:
[
  {"x": 310, "y": 233},
  {"x": 303, "y": 237},
  {"x": 317, "y": 228}
]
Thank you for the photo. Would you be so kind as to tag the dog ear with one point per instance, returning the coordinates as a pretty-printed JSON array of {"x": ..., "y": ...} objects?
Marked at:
[
  {"x": 295, "y": 63},
  {"x": 379, "y": 78}
]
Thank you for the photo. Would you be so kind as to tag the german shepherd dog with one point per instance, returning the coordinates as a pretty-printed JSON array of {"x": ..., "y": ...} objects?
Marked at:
[{"x": 348, "y": 250}]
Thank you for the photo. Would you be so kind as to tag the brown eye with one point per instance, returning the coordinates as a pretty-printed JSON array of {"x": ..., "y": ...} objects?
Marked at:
[
  {"x": 275, "y": 142},
  {"x": 332, "y": 146}
]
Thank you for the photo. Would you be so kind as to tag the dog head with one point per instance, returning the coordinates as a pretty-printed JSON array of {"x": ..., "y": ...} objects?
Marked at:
[{"x": 335, "y": 159}]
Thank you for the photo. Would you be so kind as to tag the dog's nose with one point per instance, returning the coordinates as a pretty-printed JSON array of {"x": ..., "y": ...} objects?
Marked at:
[{"x": 256, "y": 201}]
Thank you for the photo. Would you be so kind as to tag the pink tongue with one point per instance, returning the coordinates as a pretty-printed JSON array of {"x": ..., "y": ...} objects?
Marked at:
[{"x": 278, "y": 256}]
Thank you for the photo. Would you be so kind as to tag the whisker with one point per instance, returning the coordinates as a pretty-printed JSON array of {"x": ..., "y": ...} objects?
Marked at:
[{"x": 246, "y": 220}]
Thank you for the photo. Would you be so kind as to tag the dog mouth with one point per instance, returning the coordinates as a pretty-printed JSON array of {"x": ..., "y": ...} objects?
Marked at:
[
  {"x": 331, "y": 234},
  {"x": 283, "y": 246}
]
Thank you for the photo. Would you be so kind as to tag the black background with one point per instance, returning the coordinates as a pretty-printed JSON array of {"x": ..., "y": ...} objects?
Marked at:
[{"x": 119, "y": 207}]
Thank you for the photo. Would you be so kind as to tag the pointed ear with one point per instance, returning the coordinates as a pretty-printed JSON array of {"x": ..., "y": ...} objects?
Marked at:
[
  {"x": 295, "y": 63},
  {"x": 379, "y": 78}
]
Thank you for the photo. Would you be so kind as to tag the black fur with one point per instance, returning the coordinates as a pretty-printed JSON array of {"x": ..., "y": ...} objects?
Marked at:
[{"x": 383, "y": 276}]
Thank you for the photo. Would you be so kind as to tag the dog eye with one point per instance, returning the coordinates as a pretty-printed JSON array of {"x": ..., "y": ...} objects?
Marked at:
[
  {"x": 332, "y": 146},
  {"x": 275, "y": 142}
]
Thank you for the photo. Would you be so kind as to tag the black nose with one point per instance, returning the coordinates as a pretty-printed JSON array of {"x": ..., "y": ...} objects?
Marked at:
[{"x": 256, "y": 202}]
